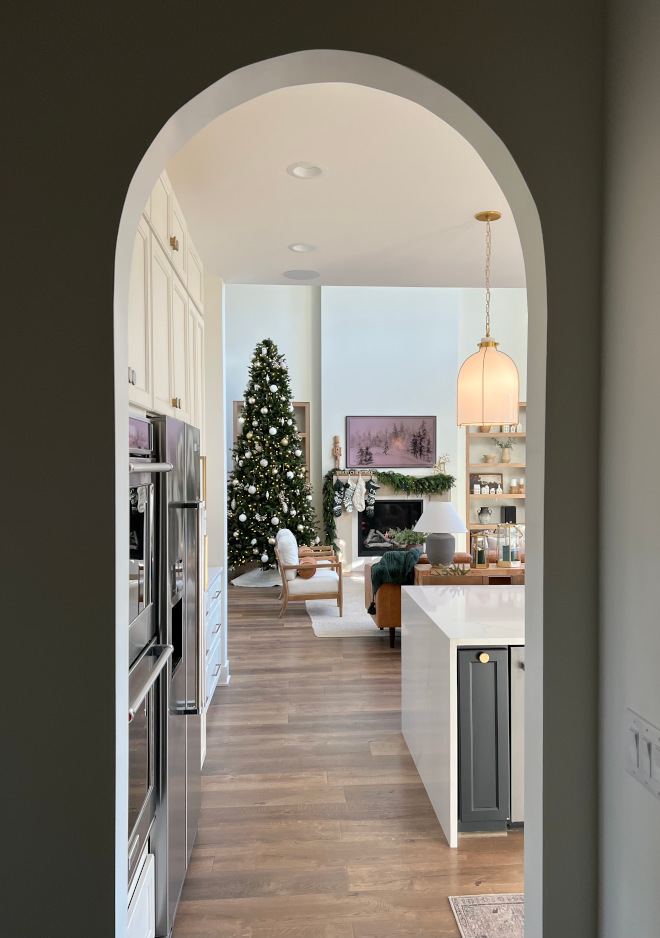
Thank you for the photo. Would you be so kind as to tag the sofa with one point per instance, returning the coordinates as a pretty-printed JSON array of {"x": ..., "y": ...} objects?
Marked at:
[{"x": 388, "y": 598}]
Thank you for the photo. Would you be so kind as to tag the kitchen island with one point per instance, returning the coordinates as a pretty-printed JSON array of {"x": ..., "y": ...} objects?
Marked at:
[{"x": 437, "y": 624}]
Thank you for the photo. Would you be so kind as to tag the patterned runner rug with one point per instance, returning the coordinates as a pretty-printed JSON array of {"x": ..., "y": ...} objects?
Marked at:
[{"x": 490, "y": 916}]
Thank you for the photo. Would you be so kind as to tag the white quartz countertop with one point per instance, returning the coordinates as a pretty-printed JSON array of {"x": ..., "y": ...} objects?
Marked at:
[{"x": 472, "y": 614}]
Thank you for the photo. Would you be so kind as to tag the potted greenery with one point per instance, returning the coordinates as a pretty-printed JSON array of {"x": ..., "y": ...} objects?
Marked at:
[
  {"x": 505, "y": 448},
  {"x": 406, "y": 538}
]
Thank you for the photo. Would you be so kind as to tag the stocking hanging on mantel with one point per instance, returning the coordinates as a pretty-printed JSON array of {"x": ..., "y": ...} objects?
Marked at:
[
  {"x": 268, "y": 488},
  {"x": 360, "y": 494}
]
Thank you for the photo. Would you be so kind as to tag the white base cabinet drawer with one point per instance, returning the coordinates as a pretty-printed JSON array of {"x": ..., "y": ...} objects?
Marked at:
[
  {"x": 213, "y": 668},
  {"x": 142, "y": 908}
]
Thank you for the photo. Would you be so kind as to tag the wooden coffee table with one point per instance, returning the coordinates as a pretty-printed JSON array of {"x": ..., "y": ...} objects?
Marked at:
[{"x": 426, "y": 575}]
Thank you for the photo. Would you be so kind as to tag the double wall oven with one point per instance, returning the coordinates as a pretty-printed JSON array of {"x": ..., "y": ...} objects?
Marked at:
[{"x": 149, "y": 660}]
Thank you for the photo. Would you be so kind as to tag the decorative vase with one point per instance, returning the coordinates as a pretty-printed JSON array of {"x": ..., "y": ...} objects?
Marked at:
[
  {"x": 485, "y": 429},
  {"x": 506, "y": 455},
  {"x": 484, "y": 515}
]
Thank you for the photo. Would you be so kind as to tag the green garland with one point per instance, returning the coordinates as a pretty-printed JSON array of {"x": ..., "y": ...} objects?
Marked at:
[{"x": 410, "y": 485}]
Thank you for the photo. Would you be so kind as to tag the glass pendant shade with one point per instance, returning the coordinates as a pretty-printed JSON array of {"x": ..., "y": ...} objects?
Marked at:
[{"x": 488, "y": 388}]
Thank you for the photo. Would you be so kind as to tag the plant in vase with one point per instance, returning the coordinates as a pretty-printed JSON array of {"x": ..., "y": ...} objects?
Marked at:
[
  {"x": 406, "y": 538},
  {"x": 505, "y": 448}
]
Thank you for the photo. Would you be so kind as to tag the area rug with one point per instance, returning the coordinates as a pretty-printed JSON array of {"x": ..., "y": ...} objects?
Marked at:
[
  {"x": 258, "y": 577},
  {"x": 489, "y": 916},
  {"x": 326, "y": 621}
]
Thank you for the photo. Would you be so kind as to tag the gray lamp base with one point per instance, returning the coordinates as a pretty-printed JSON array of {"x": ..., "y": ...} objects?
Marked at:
[{"x": 440, "y": 548}]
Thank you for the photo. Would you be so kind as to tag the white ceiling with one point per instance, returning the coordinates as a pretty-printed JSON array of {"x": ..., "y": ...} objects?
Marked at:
[{"x": 395, "y": 206}]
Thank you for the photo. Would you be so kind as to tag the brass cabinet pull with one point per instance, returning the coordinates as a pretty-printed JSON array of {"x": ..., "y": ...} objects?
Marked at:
[
  {"x": 484, "y": 657},
  {"x": 176, "y": 402},
  {"x": 174, "y": 243}
]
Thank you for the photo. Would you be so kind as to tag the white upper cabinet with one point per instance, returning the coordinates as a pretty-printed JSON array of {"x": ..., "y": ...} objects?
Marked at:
[
  {"x": 160, "y": 206},
  {"x": 195, "y": 276},
  {"x": 162, "y": 276},
  {"x": 140, "y": 389},
  {"x": 180, "y": 353},
  {"x": 165, "y": 328},
  {"x": 178, "y": 239}
]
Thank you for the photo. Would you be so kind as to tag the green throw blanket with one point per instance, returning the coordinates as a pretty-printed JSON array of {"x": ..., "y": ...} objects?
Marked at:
[{"x": 396, "y": 567}]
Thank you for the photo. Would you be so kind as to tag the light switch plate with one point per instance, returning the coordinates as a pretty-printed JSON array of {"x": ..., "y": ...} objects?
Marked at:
[{"x": 642, "y": 748}]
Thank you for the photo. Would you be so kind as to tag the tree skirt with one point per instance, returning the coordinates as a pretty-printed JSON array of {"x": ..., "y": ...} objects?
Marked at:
[
  {"x": 489, "y": 916},
  {"x": 258, "y": 577},
  {"x": 326, "y": 621}
]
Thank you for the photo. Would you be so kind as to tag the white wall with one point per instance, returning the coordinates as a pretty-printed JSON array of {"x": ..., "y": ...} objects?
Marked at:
[
  {"x": 630, "y": 451},
  {"x": 290, "y": 316}
]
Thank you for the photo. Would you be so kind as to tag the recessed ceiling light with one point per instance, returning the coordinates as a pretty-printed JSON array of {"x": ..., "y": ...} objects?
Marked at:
[
  {"x": 301, "y": 274},
  {"x": 302, "y": 248},
  {"x": 305, "y": 170}
]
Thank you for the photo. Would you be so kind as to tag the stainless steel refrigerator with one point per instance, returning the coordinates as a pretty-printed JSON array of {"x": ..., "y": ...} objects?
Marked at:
[{"x": 180, "y": 536}]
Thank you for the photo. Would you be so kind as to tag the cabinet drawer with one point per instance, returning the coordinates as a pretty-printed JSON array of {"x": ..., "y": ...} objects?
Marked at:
[
  {"x": 213, "y": 597},
  {"x": 142, "y": 909},
  {"x": 213, "y": 666},
  {"x": 213, "y": 628}
]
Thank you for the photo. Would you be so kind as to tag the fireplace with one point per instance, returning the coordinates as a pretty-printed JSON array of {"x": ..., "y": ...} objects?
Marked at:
[{"x": 388, "y": 514}]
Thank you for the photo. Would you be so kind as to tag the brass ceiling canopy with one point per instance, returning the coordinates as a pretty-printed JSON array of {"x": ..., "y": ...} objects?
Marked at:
[{"x": 488, "y": 216}]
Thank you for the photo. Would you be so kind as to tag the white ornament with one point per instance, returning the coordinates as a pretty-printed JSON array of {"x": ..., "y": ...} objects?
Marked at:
[
  {"x": 263, "y": 462},
  {"x": 271, "y": 540},
  {"x": 264, "y": 350},
  {"x": 241, "y": 420},
  {"x": 255, "y": 423},
  {"x": 298, "y": 452},
  {"x": 235, "y": 533},
  {"x": 317, "y": 540},
  {"x": 240, "y": 462},
  {"x": 289, "y": 421},
  {"x": 256, "y": 387},
  {"x": 308, "y": 497},
  {"x": 273, "y": 387},
  {"x": 247, "y": 454},
  {"x": 253, "y": 541},
  {"x": 264, "y": 410},
  {"x": 252, "y": 490},
  {"x": 289, "y": 474},
  {"x": 264, "y": 558},
  {"x": 285, "y": 509},
  {"x": 282, "y": 421},
  {"x": 249, "y": 434},
  {"x": 293, "y": 512},
  {"x": 234, "y": 481},
  {"x": 274, "y": 520},
  {"x": 301, "y": 527},
  {"x": 291, "y": 408},
  {"x": 233, "y": 503},
  {"x": 255, "y": 550},
  {"x": 275, "y": 471},
  {"x": 272, "y": 431},
  {"x": 242, "y": 517},
  {"x": 250, "y": 400}
]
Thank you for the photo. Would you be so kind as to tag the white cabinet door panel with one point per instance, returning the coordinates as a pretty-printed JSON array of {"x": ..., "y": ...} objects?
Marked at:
[
  {"x": 160, "y": 208},
  {"x": 161, "y": 318},
  {"x": 142, "y": 909},
  {"x": 195, "y": 276},
  {"x": 200, "y": 380},
  {"x": 179, "y": 383},
  {"x": 140, "y": 389},
  {"x": 178, "y": 239}
]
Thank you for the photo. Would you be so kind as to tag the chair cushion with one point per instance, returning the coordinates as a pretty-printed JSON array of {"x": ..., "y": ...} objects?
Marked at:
[
  {"x": 323, "y": 581},
  {"x": 288, "y": 550}
]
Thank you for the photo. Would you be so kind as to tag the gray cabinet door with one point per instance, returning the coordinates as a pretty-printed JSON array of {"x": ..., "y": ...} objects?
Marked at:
[{"x": 483, "y": 738}]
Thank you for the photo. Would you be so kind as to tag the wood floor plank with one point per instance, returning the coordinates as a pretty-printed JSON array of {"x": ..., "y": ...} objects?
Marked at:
[{"x": 314, "y": 821}]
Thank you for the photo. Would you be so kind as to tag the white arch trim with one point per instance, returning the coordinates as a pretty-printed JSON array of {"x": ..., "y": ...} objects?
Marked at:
[{"x": 319, "y": 66}]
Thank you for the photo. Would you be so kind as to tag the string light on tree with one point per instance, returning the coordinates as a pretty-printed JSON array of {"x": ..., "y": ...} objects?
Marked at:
[{"x": 271, "y": 462}]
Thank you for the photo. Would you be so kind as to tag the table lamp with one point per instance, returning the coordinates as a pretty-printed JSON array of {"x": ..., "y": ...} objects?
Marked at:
[{"x": 441, "y": 521}]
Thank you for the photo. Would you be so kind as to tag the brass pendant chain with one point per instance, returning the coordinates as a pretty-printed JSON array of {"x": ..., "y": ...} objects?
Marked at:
[{"x": 488, "y": 278}]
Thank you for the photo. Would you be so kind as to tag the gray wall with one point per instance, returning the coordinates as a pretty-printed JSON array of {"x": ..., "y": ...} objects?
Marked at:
[
  {"x": 630, "y": 449},
  {"x": 87, "y": 88}
]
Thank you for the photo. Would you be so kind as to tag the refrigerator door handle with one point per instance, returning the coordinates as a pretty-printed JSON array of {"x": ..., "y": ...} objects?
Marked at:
[{"x": 200, "y": 625}]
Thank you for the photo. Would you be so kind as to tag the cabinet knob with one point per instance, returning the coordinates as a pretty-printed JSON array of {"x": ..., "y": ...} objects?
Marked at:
[
  {"x": 176, "y": 402},
  {"x": 484, "y": 657},
  {"x": 174, "y": 243}
]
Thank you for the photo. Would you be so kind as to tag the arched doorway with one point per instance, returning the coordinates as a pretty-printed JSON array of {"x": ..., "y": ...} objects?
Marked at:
[{"x": 319, "y": 66}]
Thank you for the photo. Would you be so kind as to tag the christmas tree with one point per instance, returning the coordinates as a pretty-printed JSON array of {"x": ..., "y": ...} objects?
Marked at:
[{"x": 268, "y": 488}]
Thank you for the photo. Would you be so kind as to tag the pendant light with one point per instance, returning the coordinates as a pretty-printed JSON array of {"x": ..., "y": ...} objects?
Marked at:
[{"x": 488, "y": 383}]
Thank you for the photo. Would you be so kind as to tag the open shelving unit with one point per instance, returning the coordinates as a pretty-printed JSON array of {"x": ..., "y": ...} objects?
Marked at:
[{"x": 509, "y": 471}]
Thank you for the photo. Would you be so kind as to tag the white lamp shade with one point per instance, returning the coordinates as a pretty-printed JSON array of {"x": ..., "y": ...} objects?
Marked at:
[
  {"x": 488, "y": 389},
  {"x": 440, "y": 518}
]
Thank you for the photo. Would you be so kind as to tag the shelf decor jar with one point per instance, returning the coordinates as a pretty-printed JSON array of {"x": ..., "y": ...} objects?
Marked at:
[{"x": 508, "y": 545}]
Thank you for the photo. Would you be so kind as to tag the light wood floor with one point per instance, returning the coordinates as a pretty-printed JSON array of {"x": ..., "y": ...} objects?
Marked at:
[{"x": 314, "y": 820}]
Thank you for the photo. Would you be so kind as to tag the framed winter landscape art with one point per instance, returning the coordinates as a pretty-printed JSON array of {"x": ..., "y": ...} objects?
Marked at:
[{"x": 390, "y": 442}]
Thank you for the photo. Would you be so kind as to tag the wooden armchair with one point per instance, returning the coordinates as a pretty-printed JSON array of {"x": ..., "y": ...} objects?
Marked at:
[{"x": 325, "y": 584}]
